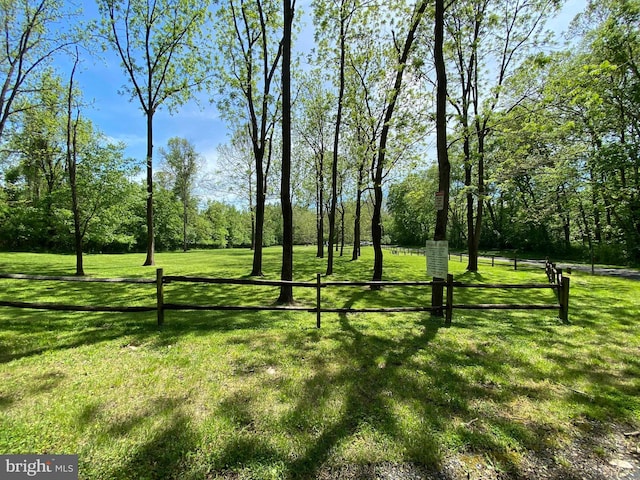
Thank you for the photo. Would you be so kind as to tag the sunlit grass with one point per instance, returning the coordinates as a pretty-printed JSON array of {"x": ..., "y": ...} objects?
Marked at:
[{"x": 267, "y": 395}]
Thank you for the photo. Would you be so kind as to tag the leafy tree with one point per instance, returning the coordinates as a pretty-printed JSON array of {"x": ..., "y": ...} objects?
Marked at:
[
  {"x": 237, "y": 175},
  {"x": 65, "y": 182},
  {"x": 411, "y": 205},
  {"x": 486, "y": 42},
  {"x": 181, "y": 163},
  {"x": 216, "y": 215},
  {"x": 168, "y": 219},
  {"x": 573, "y": 143},
  {"x": 365, "y": 109},
  {"x": 403, "y": 51},
  {"x": 72, "y": 166},
  {"x": 162, "y": 49},
  {"x": 38, "y": 146},
  {"x": 313, "y": 129},
  {"x": 32, "y": 34},
  {"x": 336, "y": 18},
  {"x": 248, "y": 40}
]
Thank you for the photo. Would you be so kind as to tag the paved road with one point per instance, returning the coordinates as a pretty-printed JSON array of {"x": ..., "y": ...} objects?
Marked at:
[{"x": 630, "y": 273}]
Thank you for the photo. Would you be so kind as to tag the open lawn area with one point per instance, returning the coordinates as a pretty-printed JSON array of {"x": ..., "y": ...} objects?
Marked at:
[{"x": 499, "y": 394}]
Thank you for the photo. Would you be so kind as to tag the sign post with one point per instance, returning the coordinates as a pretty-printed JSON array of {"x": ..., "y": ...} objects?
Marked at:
[
  {"x": 437, "y": 258},
  {"x": 437, "y": 253}
]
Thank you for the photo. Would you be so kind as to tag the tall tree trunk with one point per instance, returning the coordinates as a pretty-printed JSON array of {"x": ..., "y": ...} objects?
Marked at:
[
  {"x": 376, "y": 227},
  {"x": 444, "y": 167},
  {"x": 356, "y": 221},
  {"x": 336, "y": 142},
  {"x": 150, "y": 260},
  {"x": 184, "y": 224},
  {"x": 320, "y": 206},
  {"x": 252, "y": 213},
  {"x": 475, "y": 229},
  {"x": 595, "y": 207},
  {"x": 342, "y": 231},
  {"x": 256, "y": 271},
  {"x": 376, "y": 231},
  {"x": 286, "y": 291},
  {"x": 72, "y": 164}
]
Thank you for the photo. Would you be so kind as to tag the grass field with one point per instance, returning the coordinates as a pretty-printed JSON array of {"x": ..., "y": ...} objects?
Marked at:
[{"x": 267, "y": 395}]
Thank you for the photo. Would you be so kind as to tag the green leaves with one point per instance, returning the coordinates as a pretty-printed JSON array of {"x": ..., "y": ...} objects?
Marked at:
[{"x": 162, "y": 46}]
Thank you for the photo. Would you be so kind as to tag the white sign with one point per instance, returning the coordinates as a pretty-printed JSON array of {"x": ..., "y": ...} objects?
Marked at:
[
  {"x": 439, "y": 201},
  {"x": 437, "y": 258}
]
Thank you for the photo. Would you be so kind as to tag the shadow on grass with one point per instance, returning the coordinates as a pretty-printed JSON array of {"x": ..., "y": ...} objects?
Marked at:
[
  {"x": 372, "y": 377},
  {"x": 414, "y": 388},
  {"x": 165, "y": 455}
]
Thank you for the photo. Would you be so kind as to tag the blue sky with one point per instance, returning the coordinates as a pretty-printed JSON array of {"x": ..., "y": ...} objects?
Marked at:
[{"x": 123, "y": 120}]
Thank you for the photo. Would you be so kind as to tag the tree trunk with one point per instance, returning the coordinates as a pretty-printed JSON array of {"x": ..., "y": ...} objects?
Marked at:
[
  {"x": 376, "y": 227},
  {"x": 356, "y": 221},
  {"x": 256, "y": 271},
  {"x": 472, "y": 264},
  {"x": 286, "y": 291},
  {"x": 594, "y": 205},
  {"x": 150, "y": 260},
  {"x": 474, "y": 243},
  {"x": 356, "y": 227},
  {"x": 342, "y": 231},
  {"x": 376, "y": 231},
  {"x": 320, "y": 206},
  {"x": 184, "y": 225},
  {"x": 75, "y": 207},
  {"x": 444, "y": 167},
  {"x": 72, "y": 168},
  {"x": 336, "y": 141}
]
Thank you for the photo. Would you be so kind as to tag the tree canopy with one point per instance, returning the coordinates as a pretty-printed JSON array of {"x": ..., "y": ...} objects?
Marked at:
[{"x": 539, "y": 142}]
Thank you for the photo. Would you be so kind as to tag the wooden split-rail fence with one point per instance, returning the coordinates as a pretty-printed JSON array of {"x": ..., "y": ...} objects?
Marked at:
[{"x": 556, "y": 281}]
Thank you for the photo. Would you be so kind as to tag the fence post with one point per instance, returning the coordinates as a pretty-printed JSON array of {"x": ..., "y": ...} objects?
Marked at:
[
  {"x": 493, "y": 260},
  {"x": 449, "y": 306},
  {"x": 515, "y": 260},
  {"x": 564, "y": 300},
  {"x": 318, "y": 289},
  {"x": 160, "y": 296}
]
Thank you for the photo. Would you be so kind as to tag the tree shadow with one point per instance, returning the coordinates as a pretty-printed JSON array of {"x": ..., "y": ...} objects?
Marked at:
[{"x": 165, "y": 454}]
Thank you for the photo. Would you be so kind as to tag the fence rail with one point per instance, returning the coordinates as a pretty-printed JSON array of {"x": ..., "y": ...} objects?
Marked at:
[
  {"x": 76, "y": 308},
  {"x": 557, "y": 282}
]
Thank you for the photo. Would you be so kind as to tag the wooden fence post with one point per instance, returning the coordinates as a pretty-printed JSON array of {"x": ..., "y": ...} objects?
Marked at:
[
  {"x": 160, "y": 296},
  {"x": 493, "y": 260},
  {"x": 564, "y": 300},
  {"x": 449, "y": 306},
  {"x": 515, "y": 260},
  {"x": 318, "y": 296}
]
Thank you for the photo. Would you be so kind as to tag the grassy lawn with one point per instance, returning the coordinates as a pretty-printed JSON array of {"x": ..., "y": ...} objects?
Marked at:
[{"x": 267, "y": 395}]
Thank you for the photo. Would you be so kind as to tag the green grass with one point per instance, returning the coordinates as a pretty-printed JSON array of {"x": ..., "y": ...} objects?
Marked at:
[{"x": 266, "y": 395}]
